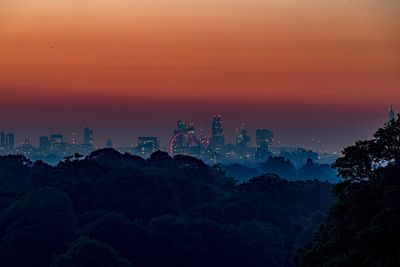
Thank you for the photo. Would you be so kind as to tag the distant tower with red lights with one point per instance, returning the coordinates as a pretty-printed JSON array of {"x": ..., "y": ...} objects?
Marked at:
[
  {"x": 391, "y": 115},
  {"x": 74, "y": 138}
]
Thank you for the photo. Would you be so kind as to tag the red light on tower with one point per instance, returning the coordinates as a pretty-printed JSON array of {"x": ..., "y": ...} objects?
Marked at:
[{"x": 74, "y": 138}]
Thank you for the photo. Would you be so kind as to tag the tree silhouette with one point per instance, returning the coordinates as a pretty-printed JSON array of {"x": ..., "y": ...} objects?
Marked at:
[
  {"x": 115, "y": 209},
  {"x": 366, "y": 159},
  {"x": 362, "y": 227}
]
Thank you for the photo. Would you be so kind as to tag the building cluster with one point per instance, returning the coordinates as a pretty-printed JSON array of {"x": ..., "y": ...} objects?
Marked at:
[
  {"x": 212, "y": 147},
  {"x": 50, "y": 148},
  {"x": 7, "y": 142}
]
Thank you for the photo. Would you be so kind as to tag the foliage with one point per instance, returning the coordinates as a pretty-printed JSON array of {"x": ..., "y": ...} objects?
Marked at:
[
  {"x": 87, "y": 253},
  {"x": 362, "y": 226},
  {"x": 121, "y": 210},
  {"x": 35, "y": 227}
]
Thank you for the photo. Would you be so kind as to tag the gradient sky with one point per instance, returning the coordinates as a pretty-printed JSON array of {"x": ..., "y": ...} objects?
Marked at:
[{"x": 303, "y": 68}]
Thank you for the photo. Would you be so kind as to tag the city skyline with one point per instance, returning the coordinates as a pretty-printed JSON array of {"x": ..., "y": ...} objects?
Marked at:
[
  {"x": 185, "y": 140},
  {"x": 87, "y": 137}
]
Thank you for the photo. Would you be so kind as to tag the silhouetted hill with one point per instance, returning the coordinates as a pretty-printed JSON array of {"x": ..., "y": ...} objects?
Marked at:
[{"x": 113, "y": 209}]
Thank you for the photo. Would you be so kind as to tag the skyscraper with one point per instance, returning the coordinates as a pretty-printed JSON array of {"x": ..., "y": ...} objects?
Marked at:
[
  {"x": 191, "y": 136},
  {"x": 391, "y": 115},
  {"x": 217, "y": 133},
  {"x": 264, "y": 138},
  {"x": 193, "y": 143},
  {"x": 242, "y": 139},
  {"x": 88, "y": 137},
  {"x": 181, "y": 126},
  {"x": 180, "y": 133},
  {"x": 179, "y": 140},
  {"x": 10, "y": 142}
]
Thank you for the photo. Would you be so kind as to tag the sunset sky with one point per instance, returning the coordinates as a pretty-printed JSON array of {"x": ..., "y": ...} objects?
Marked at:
[{"x": 304, "y": 68}]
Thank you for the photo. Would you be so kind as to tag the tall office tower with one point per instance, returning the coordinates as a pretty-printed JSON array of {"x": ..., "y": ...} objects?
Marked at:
[
  {"x": 264, "y": 138},
  {"x": 2, "y": 139},
  {"x": 192, "y": 142},
  {"x": 242, "y": 139},
  {"x": 391, "y": 115},
  {"x": 180, "y": 137},
  {"x": 181, "y": 126},
  {"x": 217, "y": 133},
  {"x": 10, "y": 142},
  {"x": 191, "y": 136},
  {"x": 147, "y": 145},
  {"x": 44, "y": 143},
  {"x": 88, "y": 137}
]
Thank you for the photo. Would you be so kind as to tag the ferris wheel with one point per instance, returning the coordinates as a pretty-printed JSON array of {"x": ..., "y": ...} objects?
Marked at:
[{"x": 172, "y": 143}]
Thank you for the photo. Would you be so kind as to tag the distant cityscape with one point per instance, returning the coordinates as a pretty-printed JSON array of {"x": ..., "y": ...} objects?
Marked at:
[{"x": 211, "y": 149}]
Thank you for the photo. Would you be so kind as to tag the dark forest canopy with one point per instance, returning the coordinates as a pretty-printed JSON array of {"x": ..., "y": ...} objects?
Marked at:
[
  {"x": 362, "y": 227},
  {"x": 113, "y": 209}
]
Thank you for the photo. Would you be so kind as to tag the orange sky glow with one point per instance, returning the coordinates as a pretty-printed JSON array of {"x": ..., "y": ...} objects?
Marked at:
[
  {"x": 276, "y": 50},
  {"x": 234, "y": 55}
]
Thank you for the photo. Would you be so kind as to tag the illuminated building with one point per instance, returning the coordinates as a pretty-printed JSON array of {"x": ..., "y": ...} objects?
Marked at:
[
  {"x": 88, "y": 137},
  {"x": 179, "y": 140},
  {"x": 10, "y": 142},
  {"x": 217, "y": 133}
]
